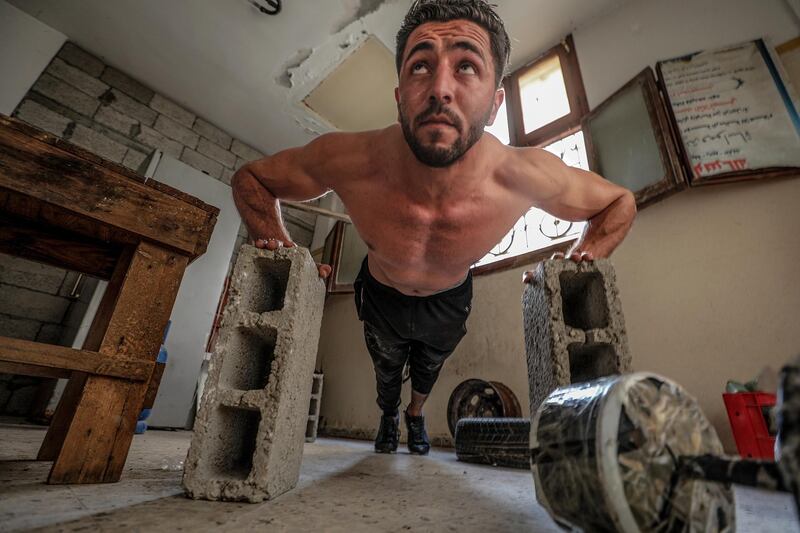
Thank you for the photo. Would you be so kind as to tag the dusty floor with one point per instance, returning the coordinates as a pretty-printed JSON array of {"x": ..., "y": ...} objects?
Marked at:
[{"x": 343, "y": 486}]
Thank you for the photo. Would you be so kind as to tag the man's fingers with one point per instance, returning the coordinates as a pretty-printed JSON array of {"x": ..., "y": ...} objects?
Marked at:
[
  {"x": 273, "y": 243},
  {"x": 324, "y": 271}
]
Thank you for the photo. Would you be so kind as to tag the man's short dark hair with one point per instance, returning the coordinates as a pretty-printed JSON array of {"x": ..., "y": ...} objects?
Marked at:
[{"x": 478, "y": 11}]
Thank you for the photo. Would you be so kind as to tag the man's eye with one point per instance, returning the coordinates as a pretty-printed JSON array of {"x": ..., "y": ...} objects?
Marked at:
[
  {"x": 467, "y": 68},
  {"x": 419, "y": 68}
]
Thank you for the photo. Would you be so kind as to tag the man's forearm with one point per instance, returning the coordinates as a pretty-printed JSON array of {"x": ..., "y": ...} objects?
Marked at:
[
  {"x": 606, "y": 230},
  {"x": 259, "y": 208}
]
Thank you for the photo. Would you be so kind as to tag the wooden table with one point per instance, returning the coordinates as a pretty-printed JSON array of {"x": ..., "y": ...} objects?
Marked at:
[{"x": 67, "y": 207}]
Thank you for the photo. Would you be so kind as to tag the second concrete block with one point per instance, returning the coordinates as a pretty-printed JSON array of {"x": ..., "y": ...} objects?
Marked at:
[{"x": 249, "y": 431}]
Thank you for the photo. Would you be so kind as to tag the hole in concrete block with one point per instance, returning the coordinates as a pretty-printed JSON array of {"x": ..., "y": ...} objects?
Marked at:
[
  {"x": 316, "y": 385},
  {"x": 312, "y": 408},
  {"x": 591, "y": 361},
  {"x": 267, "y": 287},
  {"x": 232, "y": 443},
  {"x": 583, "y": 300},
  {"x": 248, "y": 360},
  {"x": 310, "y": 428}
]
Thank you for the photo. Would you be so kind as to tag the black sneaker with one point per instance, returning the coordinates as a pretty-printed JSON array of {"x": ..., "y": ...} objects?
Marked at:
[
  {"x": 418, "y": 443},
  {"x": 388, "y": 434}
]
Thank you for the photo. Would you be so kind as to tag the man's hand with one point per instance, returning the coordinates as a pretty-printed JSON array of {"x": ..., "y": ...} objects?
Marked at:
[
  {"x": 273, "y": 244},
  {"x": 576, "y": 255}
]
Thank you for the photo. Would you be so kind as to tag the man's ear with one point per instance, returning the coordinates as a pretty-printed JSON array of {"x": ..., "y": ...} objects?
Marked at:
[{"x": 499, "y": 96}]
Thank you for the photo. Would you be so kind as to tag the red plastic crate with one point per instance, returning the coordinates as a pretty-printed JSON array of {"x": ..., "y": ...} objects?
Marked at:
[{"x": 746, "y": 414}]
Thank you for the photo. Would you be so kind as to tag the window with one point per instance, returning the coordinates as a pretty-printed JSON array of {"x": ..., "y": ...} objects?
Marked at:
[{"x": 544, "y": 105}]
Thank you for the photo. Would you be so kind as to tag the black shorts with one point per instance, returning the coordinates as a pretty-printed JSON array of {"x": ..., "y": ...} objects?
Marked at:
[{"x": 423, "y": 330}]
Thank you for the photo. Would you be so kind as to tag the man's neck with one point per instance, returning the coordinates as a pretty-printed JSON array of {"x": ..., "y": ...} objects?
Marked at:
[{"x": 429, "y": 184}]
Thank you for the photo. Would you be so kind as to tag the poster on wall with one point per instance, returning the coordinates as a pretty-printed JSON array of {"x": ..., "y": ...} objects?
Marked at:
[{"x": 732, "y": 110}]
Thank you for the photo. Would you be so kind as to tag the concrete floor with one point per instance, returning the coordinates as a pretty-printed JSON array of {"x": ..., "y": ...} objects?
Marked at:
[{"x": 343, "y": 486}]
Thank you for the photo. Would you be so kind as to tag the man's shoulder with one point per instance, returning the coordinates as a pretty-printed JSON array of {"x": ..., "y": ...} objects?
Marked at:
[
  {"x": 344, "y": 156},
  {"x": 350, "y": 142},
  {"x": 523, "y": 169}
]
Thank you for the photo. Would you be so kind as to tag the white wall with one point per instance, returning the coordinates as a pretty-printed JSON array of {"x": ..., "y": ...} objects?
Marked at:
[
  {"x": 26, "y": 47},
  {"x": 707, "y": 277},
  {"x": 616, "y": 47}
]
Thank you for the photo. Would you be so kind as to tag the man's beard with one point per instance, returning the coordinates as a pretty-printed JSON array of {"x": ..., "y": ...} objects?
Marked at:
[{"x": 435, "y": 156}]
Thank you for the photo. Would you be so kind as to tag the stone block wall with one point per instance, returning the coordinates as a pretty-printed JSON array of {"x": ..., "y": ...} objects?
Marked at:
[
  {"x": 96, "y": 106},
  {"x": 81, "y": 99},
  {"x": 37, "y": 303}
]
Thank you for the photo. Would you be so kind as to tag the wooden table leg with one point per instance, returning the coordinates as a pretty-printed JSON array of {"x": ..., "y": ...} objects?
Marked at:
[
  {"x": 99, "y": 433},
  {"x": 65, "y": 410}
]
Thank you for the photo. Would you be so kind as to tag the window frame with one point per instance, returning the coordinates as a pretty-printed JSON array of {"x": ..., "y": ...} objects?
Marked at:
[
  {"x": 576, "y": 95},
  {"x": 543, "y": 136}
]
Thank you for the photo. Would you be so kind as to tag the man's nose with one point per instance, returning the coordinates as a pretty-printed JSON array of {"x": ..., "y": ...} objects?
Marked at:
[{"x": 442, "y": 87}]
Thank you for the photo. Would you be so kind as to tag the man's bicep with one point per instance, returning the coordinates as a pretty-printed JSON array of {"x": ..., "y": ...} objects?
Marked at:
[{"x": 574, "y": 194}]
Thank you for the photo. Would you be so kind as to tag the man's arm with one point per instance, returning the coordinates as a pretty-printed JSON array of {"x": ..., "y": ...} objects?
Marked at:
[
  {"x": 573, "y": 194},
  {"x": 293, "y": 174}
]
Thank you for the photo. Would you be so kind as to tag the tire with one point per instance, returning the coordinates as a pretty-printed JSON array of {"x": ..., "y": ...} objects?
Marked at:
[{"x": 494, "y": 441}]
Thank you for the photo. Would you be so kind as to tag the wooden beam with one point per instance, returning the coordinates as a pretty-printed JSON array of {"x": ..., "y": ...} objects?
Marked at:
[
  {"x": 57, "y": 247},
  {"x": 59, "y": 357},
  {"x": 23, "y": 369},
  {"x": 64, "y": 177}
]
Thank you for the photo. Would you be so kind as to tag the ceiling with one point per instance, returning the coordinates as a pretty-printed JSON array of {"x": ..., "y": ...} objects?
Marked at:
[{"x": 248, "y": 72}]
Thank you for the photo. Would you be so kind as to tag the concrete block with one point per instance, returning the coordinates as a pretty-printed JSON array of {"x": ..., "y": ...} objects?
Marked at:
[
  {"x": 66, "y": 95},
  {"x": 249, "y": 431},
  {"x": 175, "y": 131},
  {"x": 217, "y": 153},
  {"x": 127, "y": 85},
  {"x": 32, "y": 305},
  {"x": 574, "y": 326},
  {"x": 227, "y": 176},
  {"x": 21, "y": 400},
  {"x": 30, "y": 274},
  {"x": 108, "y": 116},
  {"x": 128, "y": 106},
  {"x": 313, "y": 409},
  {"x": 19, "y": 328},
  {"x": 98, "y": 143},
  {"x": 150, "y": 137},
  {"x": 134, "y": 159},
  {"x": 239, "y": 163},
  {"x": 78, "y": 57},
  {"x": 173, "y": 110},
  {"x": 38, "y": 115},
  {"x": 201, "y": 163},
  {"x": 77, "y": 78},
  {"x": 50, "y": 334},
  {"x": 212, "y": 133},
  {"x": 248, "y": 153}
]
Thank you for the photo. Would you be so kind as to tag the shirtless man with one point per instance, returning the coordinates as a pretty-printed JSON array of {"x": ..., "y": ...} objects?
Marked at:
[{"x": 430, "y": 196}]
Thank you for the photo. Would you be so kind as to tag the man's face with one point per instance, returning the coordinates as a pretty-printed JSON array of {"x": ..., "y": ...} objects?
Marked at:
[{"x": 447, "y": 93}]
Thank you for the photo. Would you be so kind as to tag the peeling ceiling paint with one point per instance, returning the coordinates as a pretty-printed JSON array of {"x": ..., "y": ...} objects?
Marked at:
[
  {"x": 284, "y": 79},
  {"x": 359, "y": 9}
]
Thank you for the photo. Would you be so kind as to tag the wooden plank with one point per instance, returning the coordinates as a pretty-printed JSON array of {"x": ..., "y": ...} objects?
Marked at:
[
  {"x": 68, "y": 405},
  {"x": 52, "y": 356},
  {"x": 99, "y": 435},
  {"x": 155, "y": 383},
  {"x": 57, "y": 247},
  {"x": 31, "y": 131},
  {"x": 56, "y": 176},
  {"x": 31, "y": 370}
]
